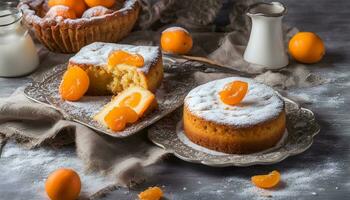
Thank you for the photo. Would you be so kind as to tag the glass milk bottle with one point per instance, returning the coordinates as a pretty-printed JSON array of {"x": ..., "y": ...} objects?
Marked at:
[{"x": 18, "y": 55}]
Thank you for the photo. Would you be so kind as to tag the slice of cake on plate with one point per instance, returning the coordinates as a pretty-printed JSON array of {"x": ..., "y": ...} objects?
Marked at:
[{"x": 138, "y": 99}]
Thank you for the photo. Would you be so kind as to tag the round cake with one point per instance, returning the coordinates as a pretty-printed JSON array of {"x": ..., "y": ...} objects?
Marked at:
[{"x": 257, "y": 123}]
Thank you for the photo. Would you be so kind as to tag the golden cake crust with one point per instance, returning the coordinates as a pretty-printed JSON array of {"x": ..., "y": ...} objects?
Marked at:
[
  {"x": 235, "y": 140},
  {"x": 70, "y": 35},
  {"x": 255, "y": 124}
]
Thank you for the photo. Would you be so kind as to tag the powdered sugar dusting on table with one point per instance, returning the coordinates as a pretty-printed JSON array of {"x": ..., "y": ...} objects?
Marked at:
[
  {"x": 97, "y": 54},
  {"x": 260, "y": 104},
  {"x": 89, "y": 104}
]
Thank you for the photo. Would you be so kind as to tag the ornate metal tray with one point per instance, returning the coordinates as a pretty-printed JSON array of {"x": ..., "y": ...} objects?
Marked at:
[
  {"x": 301, "y": 128},
  {"x": 169, "y": 96}
]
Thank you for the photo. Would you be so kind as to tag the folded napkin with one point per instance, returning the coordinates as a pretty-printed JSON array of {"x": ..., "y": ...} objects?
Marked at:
[{"x": 33, "y": 125}]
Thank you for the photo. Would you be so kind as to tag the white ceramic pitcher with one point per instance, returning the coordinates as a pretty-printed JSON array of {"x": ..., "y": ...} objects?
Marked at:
[{"x": 266, "y": 46}]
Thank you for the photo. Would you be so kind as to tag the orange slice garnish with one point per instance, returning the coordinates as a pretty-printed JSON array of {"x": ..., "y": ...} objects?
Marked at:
[
  {"x": 267, "y": 181},
  {"x": 122, "y": 57},
  {"x": 234, "y": 92},
  {"x": 118, "y": 117},
  {"x": 137, "y": 98},
  {"x": 132, "y": 100},
  {"x": 75, "y": 83},
  {"x": 152, "y": 193}
]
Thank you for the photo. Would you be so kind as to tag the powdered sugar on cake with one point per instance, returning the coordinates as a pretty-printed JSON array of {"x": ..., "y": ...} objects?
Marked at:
[
  {"x": 97, "y": 54},
  {"x": 260, "y": 104}
]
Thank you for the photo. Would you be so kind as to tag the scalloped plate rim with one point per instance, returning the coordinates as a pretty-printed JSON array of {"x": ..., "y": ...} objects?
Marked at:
[
  {"x": 206, "y": 162},
  {"x": 58, "y": 69}
]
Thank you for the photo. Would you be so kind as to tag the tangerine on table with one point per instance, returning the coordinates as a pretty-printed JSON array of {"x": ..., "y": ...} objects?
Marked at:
[
  {"x": 105, "y": 3},
  {"x": 63, "y": 11},
  {"x": 152, "y": 193},
  {"x": 234, "y": 92},
  {"x": 75, "y": 83},
  {"x": 267, "y": 181},
  {"x": 176, "y": 40},
  {"x": 77, "y": 5},
  {"x": 123, "y": 57},
  {"x": 117, "y": 118},
  {"x": 63, "y": 184},
  {"x": 306, "y": 47}
]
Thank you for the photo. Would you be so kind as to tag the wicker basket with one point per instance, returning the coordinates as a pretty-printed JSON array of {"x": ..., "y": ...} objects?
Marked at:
[{"x": 70, "y": 35}]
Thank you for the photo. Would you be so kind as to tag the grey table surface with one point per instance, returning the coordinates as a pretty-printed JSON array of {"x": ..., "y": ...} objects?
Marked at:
[{"x": 322, "y": 172}]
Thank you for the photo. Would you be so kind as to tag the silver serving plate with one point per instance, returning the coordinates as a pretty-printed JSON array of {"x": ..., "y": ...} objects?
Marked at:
[
  {"x": 301, "y": 127},
  {"x": 169, "y": 97}
]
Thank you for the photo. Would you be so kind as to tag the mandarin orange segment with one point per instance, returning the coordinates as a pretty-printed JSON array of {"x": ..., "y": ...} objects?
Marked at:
[
  {"x": 63, "y": 184},
  {"x": 267, "y": 181},
  {"x": 118, "y": 117},
  {"x": 123, "y": 57},
  {"x": 75, "y": 83},
  {"x": 234, "y": 92},
  {"x": 77, "y": 5},
  {"x": 105, "y": 3},
  {"x": 176, "y": 40},
  {"x": 131, "y": 101},
  {"x": 130, "y": 115},
  {"x": 152, "y": 193}
]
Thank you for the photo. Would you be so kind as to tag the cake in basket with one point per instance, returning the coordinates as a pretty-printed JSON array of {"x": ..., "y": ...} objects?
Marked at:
[
  {"x": 106, "y": 78},
  {"x": 257, "y": 122}
]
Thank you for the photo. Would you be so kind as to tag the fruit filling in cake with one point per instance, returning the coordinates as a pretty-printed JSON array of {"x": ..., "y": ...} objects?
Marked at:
[
  {"x": 234, "y": 115},
  {"x": 127, "y": 107}
]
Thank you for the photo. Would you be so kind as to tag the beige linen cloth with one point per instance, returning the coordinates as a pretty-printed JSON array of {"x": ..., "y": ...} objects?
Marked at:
[{"x": 34, "y": 125}]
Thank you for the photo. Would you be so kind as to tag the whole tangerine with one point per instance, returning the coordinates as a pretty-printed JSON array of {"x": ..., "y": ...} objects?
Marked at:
[
  {"x": 176, "y": 40},
  {"x": 105, "y": 3},
  {"x": 306, "y": 47},
  {"x": 63, "y": 184},
  {"x": 63, "y": 11},
  {"x": 75, "y": 83},
  {"x": 78, "y": 6}
]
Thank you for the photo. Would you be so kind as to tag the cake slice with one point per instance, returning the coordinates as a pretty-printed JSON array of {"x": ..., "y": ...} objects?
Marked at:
[
  {"x": 135, "y": 97},
  {"x": 106, "y": 79}
]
